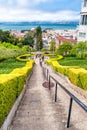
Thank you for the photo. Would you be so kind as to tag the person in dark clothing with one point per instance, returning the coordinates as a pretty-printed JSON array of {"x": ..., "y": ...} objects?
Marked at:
[
  {"x": 42, "y": 58},
  {"x": 40, "y": 62}
]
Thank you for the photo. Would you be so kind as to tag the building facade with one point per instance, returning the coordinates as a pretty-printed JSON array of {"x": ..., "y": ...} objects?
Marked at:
[
  {"x": 61, "y": 39},
  {"x": 82, "y": 30}
]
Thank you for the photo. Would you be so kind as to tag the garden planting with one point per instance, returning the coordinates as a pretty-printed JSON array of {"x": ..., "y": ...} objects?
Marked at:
[
  {"x": 11, "y": 86},
  {"x": 13, "y": 72},
  {"x": 76, "y": 74}
]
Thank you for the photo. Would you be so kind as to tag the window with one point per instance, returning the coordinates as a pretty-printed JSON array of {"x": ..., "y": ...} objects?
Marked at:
[
  {"x": 86, "y": 20},
  {"x": 83, "y": 20},
  {"x": 81, "y": 34},
  {"x": 85, "y": 3}
]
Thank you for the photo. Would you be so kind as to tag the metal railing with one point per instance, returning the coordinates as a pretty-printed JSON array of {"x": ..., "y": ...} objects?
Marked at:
[{"x": 72, "y": 97}]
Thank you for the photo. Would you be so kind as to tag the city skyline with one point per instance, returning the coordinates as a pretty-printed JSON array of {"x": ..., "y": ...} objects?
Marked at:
[{"x": 39, "y": 10}]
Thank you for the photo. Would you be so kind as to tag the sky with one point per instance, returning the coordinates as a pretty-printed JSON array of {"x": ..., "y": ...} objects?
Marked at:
[{"x": 39, "y": 10}]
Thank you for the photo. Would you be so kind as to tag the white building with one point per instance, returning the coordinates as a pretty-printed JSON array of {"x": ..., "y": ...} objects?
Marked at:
[{"x": 82, "y": 30}]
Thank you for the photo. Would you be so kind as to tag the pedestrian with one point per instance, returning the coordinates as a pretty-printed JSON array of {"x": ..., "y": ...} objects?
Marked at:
[
  {"x": 42, "y": 58},
  {"x": 40, "y": 62}
]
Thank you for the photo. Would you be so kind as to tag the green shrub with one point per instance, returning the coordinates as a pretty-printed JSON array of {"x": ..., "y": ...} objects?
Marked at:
[
  {"x": 23, "y": 71},
  {"x": 8, "y": 85},
  {"x": 22, "y": 74},
  {"x": 77, "y": 75},
  {"x": 83, "y": 79},
  {"x": 62, "y": 69},
  {"x": 55, "y": 64},
  {"x": 49, "y": 62},
  {"x": 7, "y": 50},
  {"x": 25, "y": 57},
  {"x": 9, "y": 45},
  {"x": 30, "y": 63},
  {"x": 11, "y": 86},
  {"x": 73, "y": 75},
  {"x": 26, "y": 47}
]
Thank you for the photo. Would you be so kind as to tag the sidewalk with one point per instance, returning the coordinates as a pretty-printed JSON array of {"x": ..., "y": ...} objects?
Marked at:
[{"x": 38, "y": 111}]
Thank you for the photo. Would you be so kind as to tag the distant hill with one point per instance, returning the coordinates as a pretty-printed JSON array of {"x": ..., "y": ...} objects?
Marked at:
[{"x": 42, "y": 22}]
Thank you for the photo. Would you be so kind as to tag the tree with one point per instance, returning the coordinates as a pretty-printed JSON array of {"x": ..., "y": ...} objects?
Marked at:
[
  {"x": 39, "y": 43},
  {"x": 79, "y": 50},
  {"x": 65, "y": 48},
  {"x": 5, "y": 36},
  {"x": 28, "y": 39},
  {"x": 13, "y": 39},
  {"x": 52, "y": 45}
]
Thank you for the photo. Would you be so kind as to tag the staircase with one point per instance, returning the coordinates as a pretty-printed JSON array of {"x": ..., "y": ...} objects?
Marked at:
[{"x": 38, "y": 110}]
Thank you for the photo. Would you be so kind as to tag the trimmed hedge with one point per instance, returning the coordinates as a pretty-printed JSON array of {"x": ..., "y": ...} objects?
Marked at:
[
  {"x": 25, "y": 57},
  {"x": 29, "y": 64},
  {"x": 54, "y": 65},
  {"x": 64, "y": 69},
  {"x": 11, "y": 86},
  {"x": 73, "y": 75},
  {"x": 77, "y": 75},
  {"x": 8, "y": 91},
  {"x": 83, "y": 80},
  {"x": 58, "y": 57}
]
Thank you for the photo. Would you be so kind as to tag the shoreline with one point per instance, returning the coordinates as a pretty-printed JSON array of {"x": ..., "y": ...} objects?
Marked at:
[{"x": 28, "y": 26}]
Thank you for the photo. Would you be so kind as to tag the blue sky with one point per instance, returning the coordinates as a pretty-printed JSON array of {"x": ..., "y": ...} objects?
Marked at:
[{"x": 40, "y": 10}]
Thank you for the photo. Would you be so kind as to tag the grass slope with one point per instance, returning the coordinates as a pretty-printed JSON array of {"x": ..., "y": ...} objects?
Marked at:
[
  {"x": 72, "y": 61},
  {"x": 8, "y": 65}
]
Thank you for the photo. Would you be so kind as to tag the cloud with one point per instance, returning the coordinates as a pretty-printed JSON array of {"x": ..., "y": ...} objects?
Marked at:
[
  {"x": 36, "y": 15},
  {"x": 21, "y": 10},
  {"x": 20, "y": 3}
]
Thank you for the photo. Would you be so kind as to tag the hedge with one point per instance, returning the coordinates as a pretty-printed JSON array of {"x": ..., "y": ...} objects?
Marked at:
[
  {"x": 49, "y": 61},
  {"x": 8, "y": 91},
  {"x": 11, "y": 86},
  {"x": 25, "y": 57},
  {"x": 54, "y": 65},
  {"x": 83, "y": 80},
  {"x": 77, "y": 75},
  {"x": 73, "y": 75}
]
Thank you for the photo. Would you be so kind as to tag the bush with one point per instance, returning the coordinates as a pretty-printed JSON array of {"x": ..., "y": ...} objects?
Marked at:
[
  {"x": 26, "y": 48},
  {"x": 30, "y": 64},
  {"x": 64, "y": 49},
  {"x": 73, "y": 75},
  {"x": 7, "y": 50},
  {"x": 25, "y": 57},
  {"x": 8, "y": 85},
  {"x": 62, "y": 69},
  {"x": 83, "y": 80},
  {"x": 79, "y": 50},
  {"x": 55, "y": 65},
  {"x": 81, "y": 55},
  {"x": 23, "y": 71},
  {"x": 77, "y": 75},
  {"x": 11, "y": 86},
  {"x": 19, "y": 45},
  {"x": 9, "y": 45}
]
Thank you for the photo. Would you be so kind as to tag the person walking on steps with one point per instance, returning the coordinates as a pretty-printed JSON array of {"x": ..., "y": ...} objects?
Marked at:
[{"x": 40, "y": 62}]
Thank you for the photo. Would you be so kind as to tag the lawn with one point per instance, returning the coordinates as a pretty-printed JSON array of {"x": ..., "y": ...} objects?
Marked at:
[
  {"x": 8, "y": 65},
  {"x": 72, "y": 61}
]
